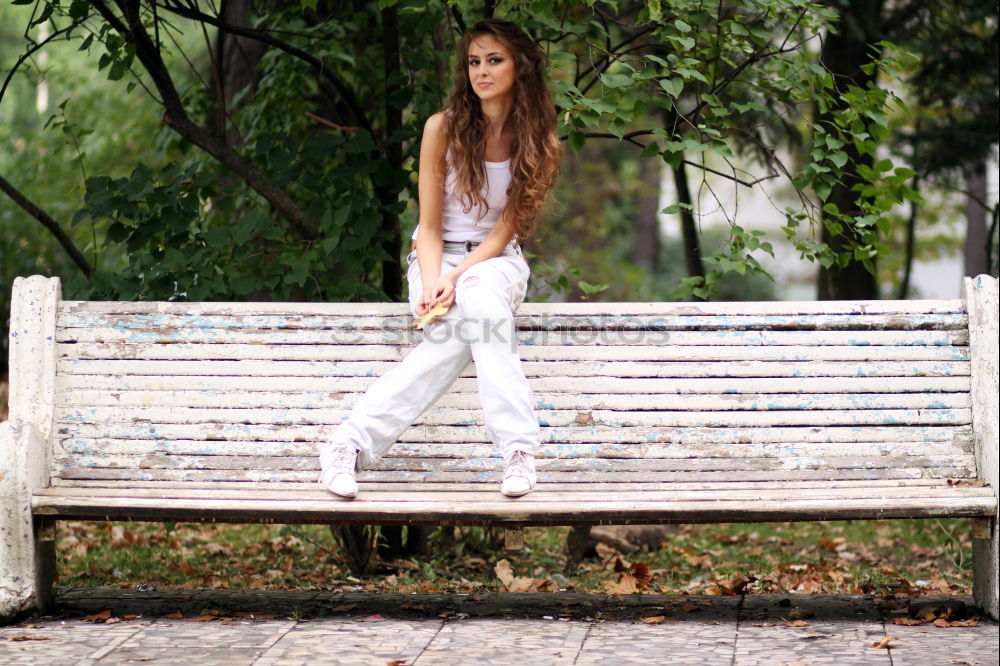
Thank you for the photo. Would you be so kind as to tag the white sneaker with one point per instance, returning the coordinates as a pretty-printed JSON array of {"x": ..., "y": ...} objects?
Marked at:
[
  {"x": 519, "y": 477},
  {"x": 337, "y": 462}
]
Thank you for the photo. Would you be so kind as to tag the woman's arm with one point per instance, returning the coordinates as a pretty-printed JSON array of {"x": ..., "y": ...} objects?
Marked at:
[
  {"x": 494, "y": 243},
  {"x": 433, "y": 146}
]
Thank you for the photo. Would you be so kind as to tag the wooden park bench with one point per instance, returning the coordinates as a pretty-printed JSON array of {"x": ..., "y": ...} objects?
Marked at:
[{"x": 650, "y": 413}]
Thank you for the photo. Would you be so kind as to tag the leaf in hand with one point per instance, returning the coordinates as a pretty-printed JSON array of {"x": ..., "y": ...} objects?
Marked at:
[{"x": 431, "y": 315}]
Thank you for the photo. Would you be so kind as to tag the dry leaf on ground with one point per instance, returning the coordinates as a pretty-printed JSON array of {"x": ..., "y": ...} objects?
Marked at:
[
  {"x": 883, "y": 643},
  {"x": 625, "y": 584},
  {"x": 103, "y": 616},
  {"x": 25, "y": 637},
  {"x": 346, "y": 607},
  {"x": 794, "y": 623},
  {"x": 908, "y": 621},
  {"x": 511, "y": 583},
  {"x": 174, "y": 616},
  {"x": 656, "y": 619},
  {"x": 800, "y": 614},
  {"x": 941, "y": 622},
  {"x": 967, "y": 662}
]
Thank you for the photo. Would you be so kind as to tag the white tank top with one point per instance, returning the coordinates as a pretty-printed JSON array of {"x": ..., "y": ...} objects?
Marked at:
[{"x": 456, "y": 224}]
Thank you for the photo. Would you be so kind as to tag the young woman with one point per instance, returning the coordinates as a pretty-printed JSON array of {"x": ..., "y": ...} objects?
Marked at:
[{"x": 487, "y": 162}]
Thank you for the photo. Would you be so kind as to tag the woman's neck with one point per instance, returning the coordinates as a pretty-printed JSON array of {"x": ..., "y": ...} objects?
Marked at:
[{"x": 496, "y": 112}]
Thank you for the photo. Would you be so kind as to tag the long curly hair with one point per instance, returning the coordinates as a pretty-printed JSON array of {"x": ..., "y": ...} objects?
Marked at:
[{"x": 536, "y": 152}]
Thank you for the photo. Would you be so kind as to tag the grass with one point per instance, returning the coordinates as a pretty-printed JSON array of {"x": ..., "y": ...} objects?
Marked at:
[{"x": 852, "y": 557}]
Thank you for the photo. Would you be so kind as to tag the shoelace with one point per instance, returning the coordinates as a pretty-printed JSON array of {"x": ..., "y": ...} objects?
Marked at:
[
  {"x": 341, "y": 459},
  {"x": 518, "y": 466}
]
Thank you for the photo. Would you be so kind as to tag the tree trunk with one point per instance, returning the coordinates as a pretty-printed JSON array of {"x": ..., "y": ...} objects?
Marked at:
[
  {"x": 977, "y": 254},
  {"x": 646, "y": 234},
  {"x": 911, "y": 245},
  {"x": 843, "y": 54},
  {"x": 235, "y": 65},
  {"x": 689, "y": 230},
  {"x": 392, "y": 270}
]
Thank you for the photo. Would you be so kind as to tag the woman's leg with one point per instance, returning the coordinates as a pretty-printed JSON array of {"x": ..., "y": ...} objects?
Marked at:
[
  {"x": 487, "y": 296},
  {"x": 398, "y": 397}
]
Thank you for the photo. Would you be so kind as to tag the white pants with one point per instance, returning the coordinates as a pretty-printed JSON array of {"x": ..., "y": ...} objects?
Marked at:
[{"x": 479, "y": 326}]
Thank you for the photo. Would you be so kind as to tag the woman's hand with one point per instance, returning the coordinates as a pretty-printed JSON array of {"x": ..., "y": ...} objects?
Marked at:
[{"x": 440, "y": 292}]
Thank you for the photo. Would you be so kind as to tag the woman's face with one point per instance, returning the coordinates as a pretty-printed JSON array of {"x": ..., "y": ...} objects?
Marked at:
[{"x": 491, "y": 68}]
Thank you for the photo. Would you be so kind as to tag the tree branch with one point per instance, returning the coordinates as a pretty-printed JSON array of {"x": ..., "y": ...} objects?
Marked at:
[
  {"x": 308, "y": 58},
  {"x": 27, "y": 54},
  {"x": 46, "y": 220},
  {"x": 177, "y": 119},
  {"x": 630, "y": 137}
]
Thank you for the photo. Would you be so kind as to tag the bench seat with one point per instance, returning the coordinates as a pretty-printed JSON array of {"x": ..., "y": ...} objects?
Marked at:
[
  {"x": 553, "y": 503},
  {"x": 649, "y": 413}
]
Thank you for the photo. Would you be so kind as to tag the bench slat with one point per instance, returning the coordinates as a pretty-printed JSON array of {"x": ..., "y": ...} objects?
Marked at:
[
  {"x": 319, "y": 407},
  {"x": 539, "y": 352},
  {"x": 542, "y": 494},
  {"x": 411, "y": 337},
  {"x": 97, "y": 486},
  {"x": 529, "y": 309},
  {"x": 494, "y": 466},
  {"x": 596, "y": 435},
  {"x": 294, "y": 371},
  {"x": 575, "y": 385},
  {"x": 106, "y": 447},
  {"x": 250, "y": 423},
  {"x": 279, "y": 476},
  {"x": 524, "y": 511},
  {"x": 166, "y": 322},
  {"x": 236, "y": 411}
]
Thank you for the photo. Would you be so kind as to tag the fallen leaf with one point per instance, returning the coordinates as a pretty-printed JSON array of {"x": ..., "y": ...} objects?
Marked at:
[
  {"x": 174, "y": 616},
  {"x": 396, "y": 662},
  {"x": 346, "y": 607},
  {"x": 203, "y": 618},
  {"x": 883, "y": 643},
  {"x": 604, "y": 550},
  {"x": 131, "y": 617},
  {"x": 25, "y": 637},
  {"x": 689, "y": 608},
  {"x": 625, "y": 584},
  {"x": 656, "y": 619},
  {"x": 941, "y": 622},
  {"x": 113, "y": 620},
  {"x": 736, "y": 585},
  {"x": 908, "y": 621},
  {"x": 762, "y": 624},
  {"x": 795, "y": 623},
  {"x": 800, "y": 614},
  {"x": 967, "y": 662},
  {"x": 431, "y": 315},
  {"x": 97, "y": 617},
  {"x": 640, "y": 571}
]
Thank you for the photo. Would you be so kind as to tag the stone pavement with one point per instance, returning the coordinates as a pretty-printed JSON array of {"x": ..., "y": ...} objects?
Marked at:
[{"x": 288, "y": 628}]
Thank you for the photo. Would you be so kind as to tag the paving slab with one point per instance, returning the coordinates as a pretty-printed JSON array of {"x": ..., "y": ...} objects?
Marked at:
[{"x": 315, "y": 628}]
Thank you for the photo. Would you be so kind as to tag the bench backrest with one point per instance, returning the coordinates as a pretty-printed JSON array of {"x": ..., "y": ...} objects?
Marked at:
[{"x": 639, "y": 392}]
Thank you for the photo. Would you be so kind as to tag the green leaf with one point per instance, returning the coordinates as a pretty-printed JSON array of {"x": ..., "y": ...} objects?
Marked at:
[
  {"x": 672, "y": 86},
  {"x": 823, "y": 190},
  {"x": 682, "y": 26},
  {"x": 616, "y": 80},
  {"x": 839, "y": 158},
  {"x": 79, "y": 9}
]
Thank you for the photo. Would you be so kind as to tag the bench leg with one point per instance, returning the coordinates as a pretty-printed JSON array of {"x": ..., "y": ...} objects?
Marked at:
[
  {"x": 358, "y": 542},
  {"x": 45, "y": 563},
  {"x": 20, "y": 554},
  {"x": 576, "y": 543},
  {"x": 985, "y": 563}
]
